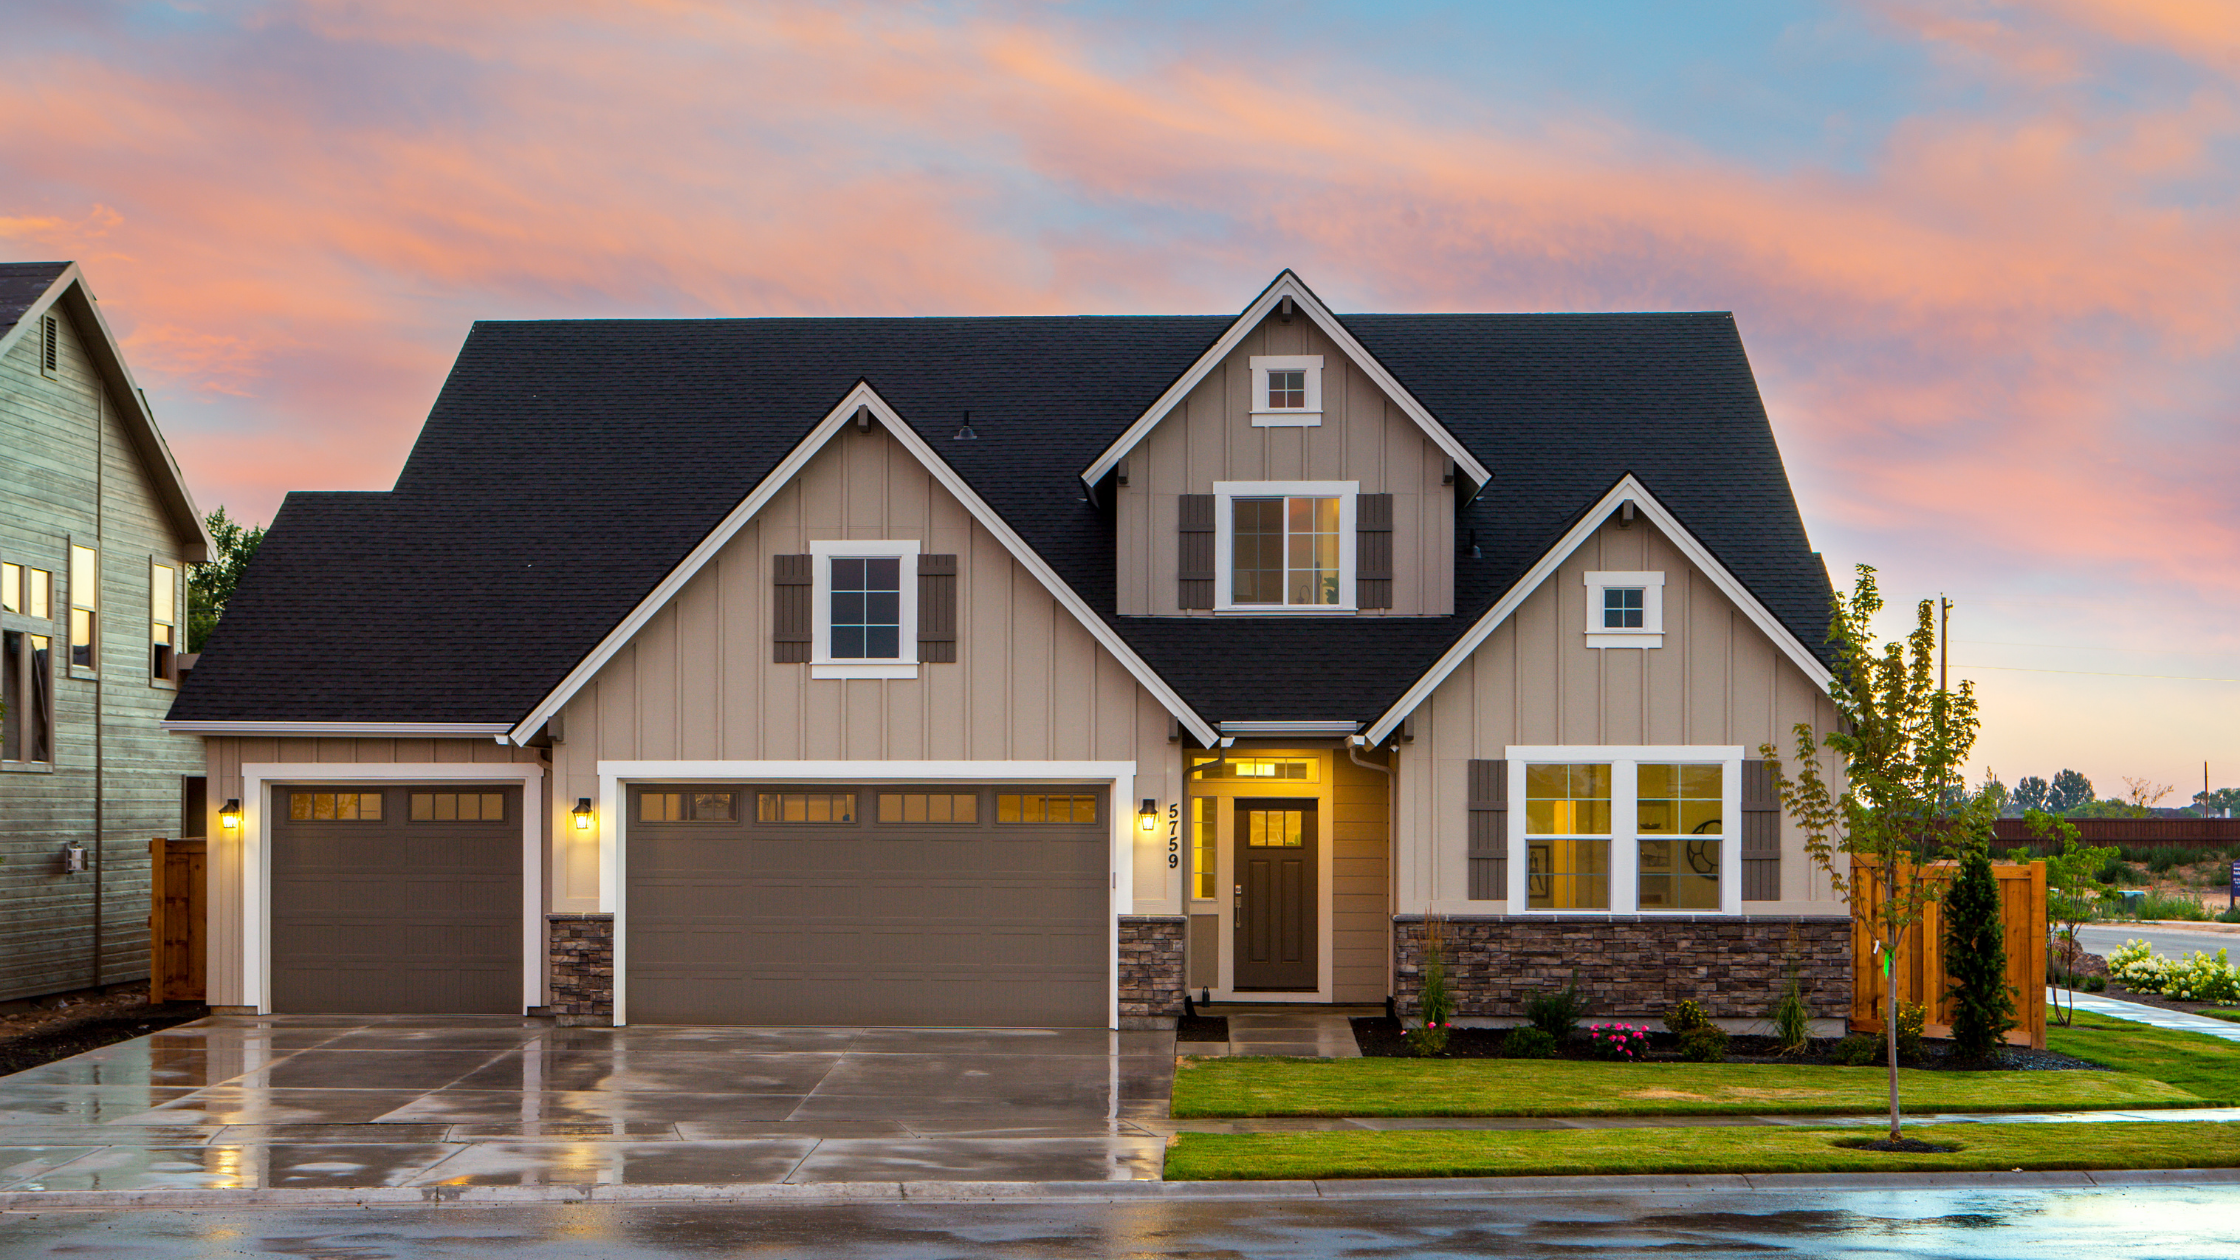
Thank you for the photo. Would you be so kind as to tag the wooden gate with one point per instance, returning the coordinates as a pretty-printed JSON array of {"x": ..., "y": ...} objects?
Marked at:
[
  {"x": 175, "y": 919},
  {"x": 1920, "y": 972}
]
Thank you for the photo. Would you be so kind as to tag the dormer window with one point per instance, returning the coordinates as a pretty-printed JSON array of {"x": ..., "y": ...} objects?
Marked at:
[
  {"x": 1286, "y": 390},
  {"x": 1625, "y": 610},
  {"x": 1285, "y": 546}
]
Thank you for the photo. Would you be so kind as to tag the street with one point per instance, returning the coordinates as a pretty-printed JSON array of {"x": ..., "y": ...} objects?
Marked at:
[
  {"x": 1978, "y": 1224},
  {"x": 2176, "y": 942}
]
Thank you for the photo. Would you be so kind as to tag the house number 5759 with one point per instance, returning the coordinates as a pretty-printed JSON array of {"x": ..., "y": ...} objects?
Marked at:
[{"x": 1174, "y": 834}]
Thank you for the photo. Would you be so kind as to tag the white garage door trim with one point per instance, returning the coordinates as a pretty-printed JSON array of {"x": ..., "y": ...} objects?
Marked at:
[
  {"x": 616, "y": 777},
  {"x": 256, "y": 853}
]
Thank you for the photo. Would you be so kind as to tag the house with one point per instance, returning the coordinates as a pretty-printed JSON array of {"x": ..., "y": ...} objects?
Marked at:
[
  {"x": 1031, "y": 671},
  {"x": 96, "y": 532}
]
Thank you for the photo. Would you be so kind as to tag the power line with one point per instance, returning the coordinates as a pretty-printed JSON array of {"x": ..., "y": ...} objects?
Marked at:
[{"x": 2096, "y": 673}]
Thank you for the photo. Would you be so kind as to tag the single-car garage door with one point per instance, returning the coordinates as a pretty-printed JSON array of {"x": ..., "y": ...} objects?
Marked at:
[
  {"x": 921, "y": 905},
  {"x": 396, "y": 900}
]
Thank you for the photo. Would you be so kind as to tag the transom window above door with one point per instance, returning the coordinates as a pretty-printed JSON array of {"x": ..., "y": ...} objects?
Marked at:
[
  {"x": 1285, "y": 546},
  {"x": 865, "y": 609}
]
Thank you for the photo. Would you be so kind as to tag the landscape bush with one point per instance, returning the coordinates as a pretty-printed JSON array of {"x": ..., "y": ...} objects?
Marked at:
[
  {"x": 1558, "y": 1013},
  {"x": 1976, "y": 959},
  {"x": 1526, "y": 1042},
  {"x": 2198, "y": 978},
  {"x": 1912, "y": 1018},
  {"x": 2229, "y": 915},
  {"x": 1856, "y": 1050},
  {"x": 1686, "y": 1017},
  {"x": 1430, "y": 1037},
  {"x": 1626, "y": 1043},
  {"x": 1707, "y": 1044},
  {"x": 2157, "y": 906}
]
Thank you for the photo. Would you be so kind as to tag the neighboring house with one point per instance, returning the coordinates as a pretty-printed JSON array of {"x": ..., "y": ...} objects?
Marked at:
[
  {"x": 1029, "y": 671},
  {"x": 96, "y": 533}
]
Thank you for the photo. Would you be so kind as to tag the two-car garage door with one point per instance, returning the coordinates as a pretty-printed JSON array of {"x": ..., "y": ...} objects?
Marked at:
[{"x": 865, "y": 905}]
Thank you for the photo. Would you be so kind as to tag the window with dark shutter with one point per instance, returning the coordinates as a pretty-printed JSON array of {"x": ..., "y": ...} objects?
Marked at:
[
  {"x": 1761, "y": 833},
  {"x": 1489, "y": 830},
  {"x": 937, "y": 608},
  {"x": 1372, "y": 559},
  {"x": 1194, "y": 559},
  {"x": 792, "y": 619}
]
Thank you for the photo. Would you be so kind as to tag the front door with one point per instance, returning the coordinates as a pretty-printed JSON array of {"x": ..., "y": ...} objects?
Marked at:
[{"x": 1275, "y": 895}]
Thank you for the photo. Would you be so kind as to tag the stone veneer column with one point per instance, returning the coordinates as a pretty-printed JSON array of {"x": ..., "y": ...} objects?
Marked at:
[
  {"x": 1151, "y": 976},
  {"x": 1636, "y": 967},
  {"x": 581, "y": 953}
]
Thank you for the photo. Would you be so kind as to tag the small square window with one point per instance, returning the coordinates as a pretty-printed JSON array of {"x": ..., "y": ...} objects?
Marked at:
[
  {"x": 1287, "y": 389},
  {"x": 1621, "y": 608},
  {"x": 1625, "y": 610},
  {"x": 866, "y": 608}
]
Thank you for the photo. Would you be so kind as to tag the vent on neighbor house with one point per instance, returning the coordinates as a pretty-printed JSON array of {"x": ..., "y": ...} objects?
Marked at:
[{"x": 50, "y": 339}]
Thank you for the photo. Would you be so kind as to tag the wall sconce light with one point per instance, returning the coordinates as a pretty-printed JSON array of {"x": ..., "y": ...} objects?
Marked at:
[
  {"x": 582, "y": 813},
  {"x": 229, "y": 814},
  {"x": 1148, "y": 816},
  {"x": 73, "y": 857}
]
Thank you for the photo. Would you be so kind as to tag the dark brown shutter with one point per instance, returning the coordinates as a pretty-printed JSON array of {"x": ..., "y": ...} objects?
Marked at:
[
  {"x": 1194, "y": 561},
  {"x": 1372, "y": 556},
  {"x": 792, "y": 623},
  {"x": 1489, "y": 830},
  {"x": 1761, "y": 833},
  {"x": 937, "y": 608}
]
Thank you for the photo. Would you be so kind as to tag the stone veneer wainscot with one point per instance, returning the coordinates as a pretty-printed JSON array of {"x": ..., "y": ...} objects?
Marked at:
[
  {"x": 1151, "y": 970},
  {"x": 580, "y": 948}
]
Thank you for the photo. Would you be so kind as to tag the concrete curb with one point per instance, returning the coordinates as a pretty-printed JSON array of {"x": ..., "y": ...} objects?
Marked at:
[{"x": 844, "y": 1192}]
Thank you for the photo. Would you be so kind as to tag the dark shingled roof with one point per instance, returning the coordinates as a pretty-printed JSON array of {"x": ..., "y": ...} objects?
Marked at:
[
  {"x": 569, "y": 465},
  {"x": 21, "y": 284}
]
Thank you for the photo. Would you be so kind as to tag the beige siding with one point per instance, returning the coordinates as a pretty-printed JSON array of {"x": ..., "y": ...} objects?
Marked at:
[
  {"x": 1717, "y": 679},
  {"x": 1029, "y": 683},
  {"x": 1209, "y": 437},
  {"x": 69, "y": 473},
  {"x": 1361, "y": 890}
]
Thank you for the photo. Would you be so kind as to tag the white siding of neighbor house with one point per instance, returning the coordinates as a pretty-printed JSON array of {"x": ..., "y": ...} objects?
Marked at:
[
  {"x": 1716, "y": 680},
  {"x": 1209, "y": 437}
]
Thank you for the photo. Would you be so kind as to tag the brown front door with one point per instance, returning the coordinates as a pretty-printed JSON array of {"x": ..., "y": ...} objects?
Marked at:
[{"x": 1275, "y": 896}]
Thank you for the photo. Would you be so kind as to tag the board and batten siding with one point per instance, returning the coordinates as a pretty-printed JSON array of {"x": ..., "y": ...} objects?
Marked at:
[
  {"x": 71, "y": 473},
  {"x": 1209, "y": 437},
  {"x": 1361, "y": 890},
  {"x": 1029, "y": 683},
  {"x": 227, "y": 754},
  {"x": 1717, "y": 680}
]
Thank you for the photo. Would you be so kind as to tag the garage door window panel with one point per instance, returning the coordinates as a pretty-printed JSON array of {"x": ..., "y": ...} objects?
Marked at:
[
  {"x": 334, "y": 806},
  {"x": 449, "y": 807},
  {"x": 805, "y": 807},
  {"x": 694, "y": 806}
]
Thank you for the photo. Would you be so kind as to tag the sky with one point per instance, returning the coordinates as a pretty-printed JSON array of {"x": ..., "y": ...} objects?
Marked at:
[{"x": 1985, "y": 255}]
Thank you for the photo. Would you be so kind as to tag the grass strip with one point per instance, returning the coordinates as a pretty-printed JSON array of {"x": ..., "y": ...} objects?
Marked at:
[
  {"x": 1446, "y": 1153},
  {"x": 2195, "y": 1062},
  {"x": 1243, "y": 1087},
  {"x": 2228, "y": 1014}
]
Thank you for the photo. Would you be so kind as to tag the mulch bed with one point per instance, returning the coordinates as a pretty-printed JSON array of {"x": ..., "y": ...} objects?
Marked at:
[
  {"x": 71, "y": 1026},
  {"x": 1911, "y": 1146},
  {"x": 1383, "y": 1037},
  {"x": 1201, "y": 1028}
]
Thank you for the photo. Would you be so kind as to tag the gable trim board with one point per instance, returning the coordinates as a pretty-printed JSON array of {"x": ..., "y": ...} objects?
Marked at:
[
  {"x": 1628, "y": 489},
  {"x": 1287, "y": 285},
  {"x": 69, "y": 292},
  {"x": 617, "y": 777},
  {"x": 860, "y": 398},
  {"x": 257, "y": 781}
]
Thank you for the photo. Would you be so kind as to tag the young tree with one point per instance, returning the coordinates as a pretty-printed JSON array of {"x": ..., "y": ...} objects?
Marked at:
[
  {"x": 210, "y": 585},
  {"x": 2069, "y": 790},
  {"x": 2141, "y": 794},
  {"x": 2029, "y": 794},
  {"x": 2073, "y": 888},
  {"x": 1975, "y": 951},
  {"x": 2223, "y": 802},
  {"x": 1903, "y": 740}
]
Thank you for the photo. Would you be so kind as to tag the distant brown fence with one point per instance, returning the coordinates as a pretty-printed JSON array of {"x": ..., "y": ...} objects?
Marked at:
[
  {"x": 1920, "y": 972},
  {"x": 2203, "y": 832}
]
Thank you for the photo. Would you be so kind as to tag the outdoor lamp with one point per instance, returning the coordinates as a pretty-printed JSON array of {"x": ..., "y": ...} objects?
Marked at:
[
  {"x": 229, "y": 814},
  {"x": 582, "y": 813},
  {"x": 1148, "y": 816}
]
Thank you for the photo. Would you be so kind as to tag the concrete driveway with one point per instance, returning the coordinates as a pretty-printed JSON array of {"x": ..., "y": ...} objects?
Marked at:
[{"x": 236, "y": 1102}]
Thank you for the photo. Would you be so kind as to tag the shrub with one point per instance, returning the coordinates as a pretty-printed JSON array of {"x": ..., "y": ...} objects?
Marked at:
[
  {"x": 1856, "y": 1050},
  {"x": 1792, "y": 1019},
  {"x": 1687, "y": 1017},
  {"x": 1707, "y": 1044},
  {"x": 2198, "y": 978},
  {"x": 1911, "y": 1018},
  {"x": 1624, "y": 1042},
  {"x": 1558, "y": 1013},
  {"x": 1975, "y": 956},
  {"x": 2118, "y": 871},
  {"x": 1527, "y": 1042},
  {"x": 2096, "y": 984},
  {"x": 1430, "y": 1037},
  {"x": 2230, "y": 915},
  {"x": 2157, "y": 906}
]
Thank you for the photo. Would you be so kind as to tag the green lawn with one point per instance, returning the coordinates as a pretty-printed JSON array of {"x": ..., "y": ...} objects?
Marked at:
[
  {"x": 1312, "y": 1156},
  {"x": 2222, "y": 1012},
  {"x": 1208, "y": 1088},
  {"x": 2204, "y": 1065}
]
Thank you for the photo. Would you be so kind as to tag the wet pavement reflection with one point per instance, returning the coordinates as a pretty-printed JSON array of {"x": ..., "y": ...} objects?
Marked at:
[{"x": 2106, "y": 1224}]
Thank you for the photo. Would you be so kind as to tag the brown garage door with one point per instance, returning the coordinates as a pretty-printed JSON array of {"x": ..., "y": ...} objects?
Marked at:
[
  {"x": 396, "y": 900},
  {"x": 926, "y": 906}
]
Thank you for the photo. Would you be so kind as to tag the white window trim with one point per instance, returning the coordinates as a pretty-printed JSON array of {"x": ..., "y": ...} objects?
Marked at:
[
  {"x": 1224, "y": 544},
  {"x": 821, "y": 663},
  {"x": 1651, "y": 633},
  {"x": 1267, "y": 417},
  {"x": 1625, "y": 856}
]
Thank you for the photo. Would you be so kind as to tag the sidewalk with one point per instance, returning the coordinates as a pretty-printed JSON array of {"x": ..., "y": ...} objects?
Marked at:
[{"x": 2140, "y": 1012}]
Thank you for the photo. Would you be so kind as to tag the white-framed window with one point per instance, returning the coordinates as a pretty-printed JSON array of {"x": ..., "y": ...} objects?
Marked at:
[
  {"x": 1610, "y": 829},
  {"x": 865, "y": 606},
  {"x": 163, "y": 623},
  {"x": 1286, "y": 390},
  {"x": 1625, "y": 610},
  {"x": 1284, "y": 546}
]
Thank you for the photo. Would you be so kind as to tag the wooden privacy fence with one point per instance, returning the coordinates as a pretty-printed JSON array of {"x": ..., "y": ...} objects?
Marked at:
[
  {"x": 1920, "y": 972},
  {"x": 175, "y": 869}
]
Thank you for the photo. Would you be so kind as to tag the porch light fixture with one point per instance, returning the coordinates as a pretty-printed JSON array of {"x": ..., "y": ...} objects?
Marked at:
[
  {"x": 582, "y": 813},
  {"x": 1148, "y": 816},
  {"x": 229, "y": 815}
]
